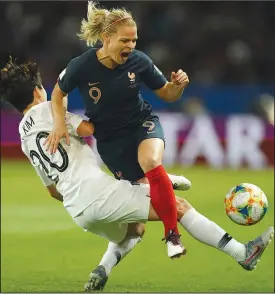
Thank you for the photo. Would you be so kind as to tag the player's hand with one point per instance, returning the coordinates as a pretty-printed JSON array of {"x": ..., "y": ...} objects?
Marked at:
[
  {"x": 54, "y": 138},
  {"x": 180, "y": 79}
]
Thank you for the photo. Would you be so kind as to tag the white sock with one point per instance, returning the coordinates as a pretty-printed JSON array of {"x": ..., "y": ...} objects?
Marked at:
[
  {"x": 211, "y": 234},
  {"x": 116, "y": 252}
]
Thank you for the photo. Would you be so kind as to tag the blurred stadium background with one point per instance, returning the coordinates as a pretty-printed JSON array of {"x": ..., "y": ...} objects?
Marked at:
[{"x": 220, "y": 133}]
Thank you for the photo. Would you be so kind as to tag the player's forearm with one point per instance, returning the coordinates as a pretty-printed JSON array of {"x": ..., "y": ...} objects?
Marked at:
[
  {"x": 58, "y": 105},
  {"x": 172, "y": 93},
  {"x": 169, "y": 92},
  {"x": 65, "y": 103},
  {"x": 54, "y": 193},
  {"x": 58, "y": 197}
]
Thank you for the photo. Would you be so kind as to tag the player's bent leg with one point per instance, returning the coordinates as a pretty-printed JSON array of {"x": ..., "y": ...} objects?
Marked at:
[{"x": 150, "y": 152}]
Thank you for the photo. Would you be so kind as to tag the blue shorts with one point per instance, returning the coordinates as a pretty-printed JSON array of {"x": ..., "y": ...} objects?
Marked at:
[{"x": 121, "y": 154}]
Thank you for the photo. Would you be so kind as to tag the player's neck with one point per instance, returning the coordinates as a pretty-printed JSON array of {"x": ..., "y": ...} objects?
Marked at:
[
  {"x": 106, "y": 60},
  {"x": 30, "y": 106}
]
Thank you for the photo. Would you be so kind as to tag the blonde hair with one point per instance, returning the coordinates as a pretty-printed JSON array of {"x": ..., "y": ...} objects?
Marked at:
[{"x": 101, "y": 20}]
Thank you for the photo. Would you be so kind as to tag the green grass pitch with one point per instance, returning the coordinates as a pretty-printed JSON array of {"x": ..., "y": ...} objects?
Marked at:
[{"x": 42, "y": 250}]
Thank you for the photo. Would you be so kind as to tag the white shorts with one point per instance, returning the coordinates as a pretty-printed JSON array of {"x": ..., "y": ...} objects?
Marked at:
[{"x": 111, "y": 213}]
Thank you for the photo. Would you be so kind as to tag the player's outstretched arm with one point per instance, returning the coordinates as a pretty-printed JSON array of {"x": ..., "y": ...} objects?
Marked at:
[
  {"x": 60, "y": 130},
  {"x": 54, "y": 193},
  {"x": 173, "y": 90}
]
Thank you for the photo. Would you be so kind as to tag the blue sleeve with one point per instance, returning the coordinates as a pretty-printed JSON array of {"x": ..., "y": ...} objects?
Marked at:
[
  {"x": 68, "y": 79},
  {"x": 151, "y": 75}
]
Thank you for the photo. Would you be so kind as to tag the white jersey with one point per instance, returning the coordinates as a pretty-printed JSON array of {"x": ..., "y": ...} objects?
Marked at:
[{"x": 72, "y": 168}]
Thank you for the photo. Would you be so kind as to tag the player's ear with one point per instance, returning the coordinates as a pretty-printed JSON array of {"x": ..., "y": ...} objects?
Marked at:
[
  {"x": 40, "y": 94},
  {"x": 105, "y": 37}
]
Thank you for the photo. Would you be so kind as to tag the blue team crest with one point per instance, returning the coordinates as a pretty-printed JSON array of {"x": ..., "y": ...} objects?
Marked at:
[{"x": 132, "y": 77}]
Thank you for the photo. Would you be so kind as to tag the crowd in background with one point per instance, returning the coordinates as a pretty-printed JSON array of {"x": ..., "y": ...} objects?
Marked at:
[{"x": 214, "y": 42}]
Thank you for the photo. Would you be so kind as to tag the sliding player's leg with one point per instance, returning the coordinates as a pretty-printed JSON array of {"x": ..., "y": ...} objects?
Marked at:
[
  {"x": 205, "y": 231},
  {"x": 208, "y": 232},
  {"x": 134, "y": 206}
]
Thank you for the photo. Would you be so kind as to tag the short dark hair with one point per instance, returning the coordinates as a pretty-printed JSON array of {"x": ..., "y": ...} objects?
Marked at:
[{"x": 17, "y": 82}]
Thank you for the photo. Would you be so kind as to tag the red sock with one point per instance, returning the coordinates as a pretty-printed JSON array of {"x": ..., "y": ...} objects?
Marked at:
[{"x": 163, "y": 198}]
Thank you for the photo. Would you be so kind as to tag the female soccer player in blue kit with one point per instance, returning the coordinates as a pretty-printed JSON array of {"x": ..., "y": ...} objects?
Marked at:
[{"x": 130, "y": 138}]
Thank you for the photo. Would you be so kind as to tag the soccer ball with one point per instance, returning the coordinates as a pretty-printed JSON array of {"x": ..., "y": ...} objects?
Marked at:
[{"x": 245, "y": 204}]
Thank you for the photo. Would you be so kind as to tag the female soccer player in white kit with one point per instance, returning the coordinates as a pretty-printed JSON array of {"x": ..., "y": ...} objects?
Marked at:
[{"x": 96, "y": 201}]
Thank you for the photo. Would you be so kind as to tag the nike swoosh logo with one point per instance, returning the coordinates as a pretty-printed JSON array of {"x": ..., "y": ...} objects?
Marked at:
[
  {"x": 258, "y": 249},
  {"x": 93, "y": 84}
]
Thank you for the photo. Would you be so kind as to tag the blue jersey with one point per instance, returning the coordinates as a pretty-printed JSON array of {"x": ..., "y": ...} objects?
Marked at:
[{"x": 112, "y": 97}]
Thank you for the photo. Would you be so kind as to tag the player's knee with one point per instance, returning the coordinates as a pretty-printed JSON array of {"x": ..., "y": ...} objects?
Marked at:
[
  {"x": 182, "y": 207},
  {"x": 136, "y": 230},
  {"x": 140, "y": 230},
  {"x": 149, "y": 163}
]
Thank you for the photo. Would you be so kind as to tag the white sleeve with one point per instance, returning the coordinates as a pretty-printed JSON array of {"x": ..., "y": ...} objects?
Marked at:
[
  {"x": 72, "y": 122},
  {"x": 42, "y": 175}
]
